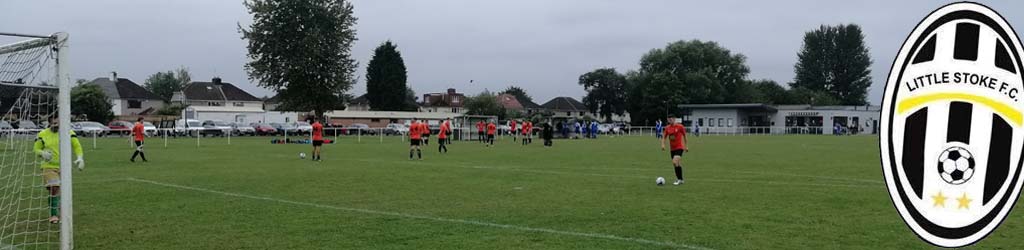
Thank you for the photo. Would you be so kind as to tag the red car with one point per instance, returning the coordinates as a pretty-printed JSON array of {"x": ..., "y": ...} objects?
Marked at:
[
  {"x": 264, "y": 129},
  {"x": 120, "y": 127}
]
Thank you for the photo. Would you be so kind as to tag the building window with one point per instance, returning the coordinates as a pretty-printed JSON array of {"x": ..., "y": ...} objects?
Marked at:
[
  {"x": 568, "y": 113},
  {"x": 238, "y": 104},
  {"x": 134, "y": 104},
  {"x": 729, "y": 122},
  {"x": 215, "y": 104},
  {"x": 721, "y": 122},
  {"x": 582, "y": 113},
  {"x": 711, "y": 122}
]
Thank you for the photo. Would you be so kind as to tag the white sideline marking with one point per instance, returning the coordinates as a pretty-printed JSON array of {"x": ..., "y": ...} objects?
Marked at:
[
  {"x": 424, "y": 217},
  {"x": 633, "y": 176}
]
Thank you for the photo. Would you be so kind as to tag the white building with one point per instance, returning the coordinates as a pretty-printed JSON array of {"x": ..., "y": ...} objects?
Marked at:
[
  {"x": 217, "y": 100},
  {"x": 764, "y": 118}
]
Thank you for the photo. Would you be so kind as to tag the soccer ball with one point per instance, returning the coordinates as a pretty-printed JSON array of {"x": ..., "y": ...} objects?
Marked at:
[
  {"x": 660, "y": 181},
  {"x": 956, "y": 165},
  {"x": 302, "y": 155}
]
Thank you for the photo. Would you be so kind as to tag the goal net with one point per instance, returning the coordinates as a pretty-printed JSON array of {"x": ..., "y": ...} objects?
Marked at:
[{"x": 30, "y": 91}]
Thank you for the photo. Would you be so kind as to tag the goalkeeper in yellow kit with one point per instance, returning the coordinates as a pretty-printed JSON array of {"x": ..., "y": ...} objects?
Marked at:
[{"x": 47, "y": 147}]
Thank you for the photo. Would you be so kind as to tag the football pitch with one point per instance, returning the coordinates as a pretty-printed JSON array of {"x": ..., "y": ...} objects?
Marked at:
[{"x": 741, "y": 192}]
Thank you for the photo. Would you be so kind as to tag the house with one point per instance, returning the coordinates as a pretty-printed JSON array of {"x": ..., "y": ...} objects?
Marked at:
[
  {"x": 765, "y": 118},
  {"x": 524, "y": 106},
  {"x": 361, "y": 103},
  {"x": 566, "y": 107},
  {"x": 127, "y": 97},
  {"x": 218, "y": 100},
  {"x": 446, "y": 102}
]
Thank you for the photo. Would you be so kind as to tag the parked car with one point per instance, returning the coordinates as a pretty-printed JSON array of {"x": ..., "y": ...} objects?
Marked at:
[
  {"x": 396, "y": 129},
  {"x": 242, "y": 129},
  {"x": 285, "y": 128},
  {"x": 334, "y": 129},
  {"x": 188, "y": 128},
  {"x": 224, "y": 127},
  {"x": 120, "y": 127},
  {"x": 210, "y": 129},
  {"x": 26, "y": 124},
  {"x": 360, "y": 129},
  {"x": 264, "y": 129},
  {"x": 303, "y": 127},
  {"x": 4, "y": 125},
  {"x": 148, "y": 128},
  {"x": 90, "y": 128}
]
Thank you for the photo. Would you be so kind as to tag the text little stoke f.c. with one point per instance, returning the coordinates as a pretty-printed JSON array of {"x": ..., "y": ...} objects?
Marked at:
[{"x": 974, "y": 79}]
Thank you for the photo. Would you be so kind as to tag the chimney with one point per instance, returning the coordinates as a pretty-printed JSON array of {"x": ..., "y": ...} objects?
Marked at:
[
  {"x": 451, "y": 91},
  {"x": 113, "y": 76},
  {"x": 216, "y": 81}
]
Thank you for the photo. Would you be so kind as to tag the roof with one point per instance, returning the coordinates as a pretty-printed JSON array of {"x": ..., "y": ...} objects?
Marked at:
[
  {"x": 729, "y": 106},
  {"x": 123, "y": 89},
  {"x": 390, "y": 115},
  {"x": 563, "y": 103},
  {"x": 528, "y": 104},
  {"x": 509, "y": 101},
  {"x": 229, "y": 109},
  {"x": 210, "y": 91},
  {"x": 360, "y": 100}
]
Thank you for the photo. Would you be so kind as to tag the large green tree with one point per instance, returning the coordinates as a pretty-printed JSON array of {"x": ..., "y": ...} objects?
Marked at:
[
  {"x": 89, "y": 102},
  {"x": 302, "y": 50},
  {"x": 386, "y": 77},
  {"x": 835, "y": 60},
  {"x": 164, "y": 84},
  {"x": 518, "y": 92},
  {"x": 606, "y": 92},
  {"x": 685, "y": 72},
  {"x": 484, "y": 103}
]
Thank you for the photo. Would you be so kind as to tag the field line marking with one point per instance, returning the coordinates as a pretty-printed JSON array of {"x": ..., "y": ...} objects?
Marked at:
[
  {"x": 424, "y": 217},
  {"x": 630, "y": 176},
  {"x": 86, "y": 181}
]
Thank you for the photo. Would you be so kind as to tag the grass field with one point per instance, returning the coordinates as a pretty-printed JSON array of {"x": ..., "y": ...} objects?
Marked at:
[{"x": 742, "y": 192}]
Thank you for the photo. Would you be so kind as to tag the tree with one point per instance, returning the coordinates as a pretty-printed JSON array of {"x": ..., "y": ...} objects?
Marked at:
[
  {"x": 386, "y": 79},
  {"x": 767, "y": 91},
  {"x": 606, "y": 92},
  {"x": 164, "y": 84},
  {"x": 89, "y": 102},
  {"x": 518, "y": 92},
  {"x": 684, "y": 72},
  {"x": 302, "y": 50},
  {"x": 410, "y": 100},
  {"x": 835, "y": 60},
  {"x": 484, "y": 104},
  {"x": 80, "y": 81}
]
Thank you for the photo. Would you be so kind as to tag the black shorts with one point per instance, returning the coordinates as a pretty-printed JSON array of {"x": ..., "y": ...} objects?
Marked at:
[
  {"x": 317, "y": 143},
  {"x": 414, "y": 142},
  {"x": 676, "y": 152},
  {"x": 138, "y": 143},
  {"x": 426, "y": 136},
  {"x": 490, "y": 137}
]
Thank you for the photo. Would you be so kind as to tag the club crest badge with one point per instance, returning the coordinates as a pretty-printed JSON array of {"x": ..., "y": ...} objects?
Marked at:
[{"x": 953, "y": 125}]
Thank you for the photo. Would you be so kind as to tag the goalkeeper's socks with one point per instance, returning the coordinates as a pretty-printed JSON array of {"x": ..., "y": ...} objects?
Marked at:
[
  {"x": 54, "y": 205},
  {"x": 143, "y": 154},
  {"x": 135, "y": 155},
  {"x": 410, "y": 153},
  {"x": 679, "y": 172},
  {"x": 419, "y": 154}
]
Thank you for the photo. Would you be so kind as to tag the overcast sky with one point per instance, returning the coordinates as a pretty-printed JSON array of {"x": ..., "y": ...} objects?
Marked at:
[{"x": 540, "y": 45}]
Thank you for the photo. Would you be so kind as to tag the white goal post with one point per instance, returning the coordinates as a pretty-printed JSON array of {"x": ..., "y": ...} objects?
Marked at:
[{"x": 29, "y": 68}]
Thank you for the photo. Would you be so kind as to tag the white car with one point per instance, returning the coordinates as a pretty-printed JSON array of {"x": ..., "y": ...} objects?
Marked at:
[
  {"x": 188, "y": 127},
  {"x": 243, "y": 129},
  {"x": 224, "y": 127},
  {"x": 303, "y": 127},
  {"x": 90, "y": 128},
  {"x": 396, "y": 129},
  {"x": 149, "y": 128}
]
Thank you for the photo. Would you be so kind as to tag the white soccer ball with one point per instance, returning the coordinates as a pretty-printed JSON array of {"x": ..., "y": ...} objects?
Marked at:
[
  {"x": 956, "y": 165},
  {"x": 302, "y": 155},
  {"x": 660, "y": 181}
]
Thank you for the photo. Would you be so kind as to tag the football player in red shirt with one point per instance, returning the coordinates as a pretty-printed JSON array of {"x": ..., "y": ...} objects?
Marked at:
[
  {"x": 675, "y": 133},
  {"x": 480, "y": 131},
  {"x": 491, "y": 128},
  {"x": 512, "y": 128},
  {"x": 139, "y": 131},
  {"x": 415, "y": 133},
  {"x": 318, "y": 139},
  {"x": 442, "y": 136}
]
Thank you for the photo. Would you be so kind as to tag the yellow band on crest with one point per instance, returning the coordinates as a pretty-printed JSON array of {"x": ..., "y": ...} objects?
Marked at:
[{"x": 1010, "y": 113}]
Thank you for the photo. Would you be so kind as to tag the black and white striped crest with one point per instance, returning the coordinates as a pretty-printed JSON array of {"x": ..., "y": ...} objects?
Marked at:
[{"x": 952, "y": 131}]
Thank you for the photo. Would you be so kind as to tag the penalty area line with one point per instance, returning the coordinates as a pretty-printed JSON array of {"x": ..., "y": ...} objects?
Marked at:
[{"x": 424, "y": 217}]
